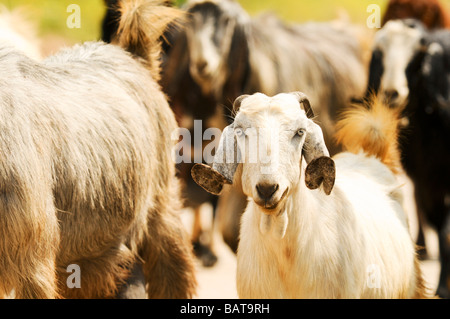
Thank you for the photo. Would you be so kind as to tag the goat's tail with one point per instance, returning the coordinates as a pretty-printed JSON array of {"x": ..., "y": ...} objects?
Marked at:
[
  {"x": 373, "y": 129},
  {"x": 142, "y": 24}
]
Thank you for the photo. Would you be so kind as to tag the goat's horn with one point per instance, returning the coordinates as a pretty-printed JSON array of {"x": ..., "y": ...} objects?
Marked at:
[
  {"x": 304, "y": 101},
  {"x": 238, "y": 101}
]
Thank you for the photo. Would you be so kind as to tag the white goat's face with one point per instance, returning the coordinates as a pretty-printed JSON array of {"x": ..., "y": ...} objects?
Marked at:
[
  {"x": 264, "y": 148},
  {"x": 209, "y": 38},
  {"x": 270, "y": 135},
  {"x": 397, "y": 43}
]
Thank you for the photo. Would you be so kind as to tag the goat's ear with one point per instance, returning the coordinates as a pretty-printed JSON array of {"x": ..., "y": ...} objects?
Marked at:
[
  {"x": 238, "y": 101},
  {"x": 208, "y": 178},
  {"x": 321, "y": 168},
  {"x": 321, "y": 171},
  {"x": 314, "y": 146},
  {"x": 224, "y": 166}
]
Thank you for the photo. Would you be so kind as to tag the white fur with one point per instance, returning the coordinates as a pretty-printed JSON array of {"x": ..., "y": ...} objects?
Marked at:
[{"x": 319, "y": 246}]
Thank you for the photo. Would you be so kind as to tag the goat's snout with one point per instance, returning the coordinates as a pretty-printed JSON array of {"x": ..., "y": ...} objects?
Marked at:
[
  {"x": 202, "y": 66},
  {"x": 266, "y": 191},
  {"x": 391, "y": 95},
  {"x": 396, "y": 97}
]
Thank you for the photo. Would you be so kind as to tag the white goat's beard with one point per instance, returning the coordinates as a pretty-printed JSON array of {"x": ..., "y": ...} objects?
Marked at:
[{"x": 275, "y": 224}]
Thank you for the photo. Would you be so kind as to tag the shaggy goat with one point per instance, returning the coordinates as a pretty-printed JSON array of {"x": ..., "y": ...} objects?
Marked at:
[
  {"x": 342, "y": 235},
  {"x": 409, "y": 59},
  {"x": 430, "y": 12},
  {"x": 86, "y": 168}
]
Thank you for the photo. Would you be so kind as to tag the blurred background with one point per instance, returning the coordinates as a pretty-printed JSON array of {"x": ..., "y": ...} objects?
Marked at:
[{"x": 51, "y": 15}]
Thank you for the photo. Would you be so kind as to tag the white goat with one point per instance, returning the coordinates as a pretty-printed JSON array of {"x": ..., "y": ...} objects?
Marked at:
[{"x": 348, "y": 239}]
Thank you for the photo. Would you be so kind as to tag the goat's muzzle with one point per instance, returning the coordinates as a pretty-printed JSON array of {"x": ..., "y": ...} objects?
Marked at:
[{"x": 269, "y": 203}]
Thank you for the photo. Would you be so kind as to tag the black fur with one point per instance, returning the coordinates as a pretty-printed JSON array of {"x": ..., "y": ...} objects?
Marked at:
[
  {"x": 110, "y": 22},
  {"x": 376, "y": 71},
  {"x": 425, "y": 142},
  {"x": 238, "y": 68}
]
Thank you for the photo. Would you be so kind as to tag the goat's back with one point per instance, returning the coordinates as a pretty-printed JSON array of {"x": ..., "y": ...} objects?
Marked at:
[
  {"x": 97, "y": 128},
  {"x": 381, "y": 233}
]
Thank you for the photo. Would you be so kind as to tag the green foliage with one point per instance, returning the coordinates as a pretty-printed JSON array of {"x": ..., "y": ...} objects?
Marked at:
[
  {"x": 51, "y": 15},
  {"x": 318, "y": 10},
  {"x": 179, "y": 2}
]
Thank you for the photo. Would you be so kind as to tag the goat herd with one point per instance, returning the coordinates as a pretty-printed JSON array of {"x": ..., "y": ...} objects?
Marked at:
[{"x": 321, "y": 123}]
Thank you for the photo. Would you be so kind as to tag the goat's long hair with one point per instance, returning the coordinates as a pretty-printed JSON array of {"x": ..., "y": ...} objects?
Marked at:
[
  {"x": 141, "y": 25},
  {"x": 87, "y": 175},
  {"x": 372, "y": 128},
  {"x": 431, "y": 12}
]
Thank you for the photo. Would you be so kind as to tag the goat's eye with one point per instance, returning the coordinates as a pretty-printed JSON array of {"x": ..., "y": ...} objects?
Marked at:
[
  {"x": 239, "y": 132},
  {"x": 300, "y": 133},
  {"x": 423, "y": 41}
]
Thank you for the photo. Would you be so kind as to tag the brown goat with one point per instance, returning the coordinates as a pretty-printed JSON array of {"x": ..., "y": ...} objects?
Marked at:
[
  {"x": 86, "y": 169},
  {"x": 430, "y": 12}
]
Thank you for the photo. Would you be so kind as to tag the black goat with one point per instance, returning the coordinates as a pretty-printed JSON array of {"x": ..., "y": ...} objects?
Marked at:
[{"x": 411, "y": 67}]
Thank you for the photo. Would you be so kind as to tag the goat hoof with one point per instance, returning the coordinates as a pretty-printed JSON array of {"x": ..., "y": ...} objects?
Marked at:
[
  {"x": 443, "y": 292},
  {"x": 134, "y": 287},
  {"x": 205, "y": 254}
]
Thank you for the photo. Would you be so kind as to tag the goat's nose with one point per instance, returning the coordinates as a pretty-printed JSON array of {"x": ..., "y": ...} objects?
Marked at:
[
  {"x": 266, "y": 191},
  {"x": 391, "y": 95},
  {"x": 201, "y": 66}
]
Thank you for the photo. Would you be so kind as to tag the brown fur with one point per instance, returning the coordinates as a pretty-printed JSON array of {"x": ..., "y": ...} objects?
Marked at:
[
  {"x": 231, "y": 204},
  {"x": 422, "y": 290},
  {"x": 141, "y": 25},
  {"x": 372, "y": 128},
  {"x": 208, "y": 178},
  {"x": 321, "y": 171},
  {"x": 86, "y": 171},
  {"x": 430, "y": 12}
]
